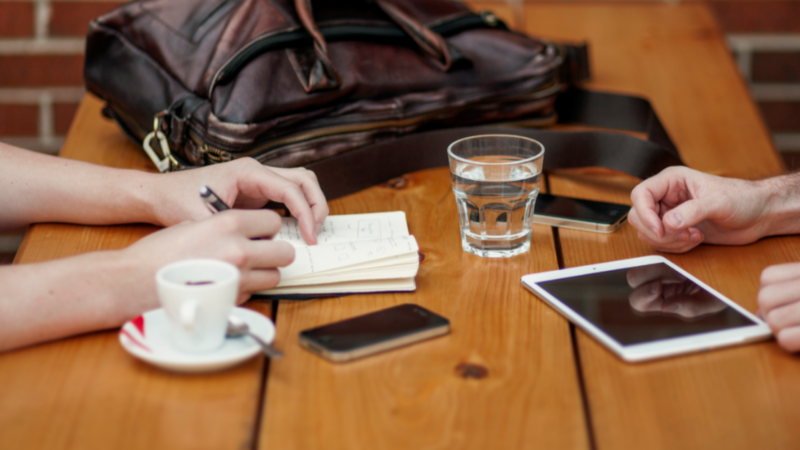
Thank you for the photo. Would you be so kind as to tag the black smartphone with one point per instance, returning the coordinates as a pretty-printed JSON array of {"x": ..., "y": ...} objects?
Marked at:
[
  {"x": 580, "y": 214},
  {"x": 373, "y": 333}
]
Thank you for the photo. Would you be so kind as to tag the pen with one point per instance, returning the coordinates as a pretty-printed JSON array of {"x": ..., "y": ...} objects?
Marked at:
[{"x": 212, "y": 201}]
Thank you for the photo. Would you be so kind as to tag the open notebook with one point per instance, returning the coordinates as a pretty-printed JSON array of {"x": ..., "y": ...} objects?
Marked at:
[{"x": 355, "y": 253}]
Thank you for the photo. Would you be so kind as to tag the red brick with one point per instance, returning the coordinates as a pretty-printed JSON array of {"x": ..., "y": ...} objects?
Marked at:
[
  {"x": 63, "y": 113},
  {"x": 72, "y": 18},
  {"x": 754, "y": 16},
  {"x": 781, "y": 116},
  {"x": 16, "y": 19},
  {"x": 19, "y": 120},
  {"x": 41, "y": 70},
  {"x": 783, "y": 67}
]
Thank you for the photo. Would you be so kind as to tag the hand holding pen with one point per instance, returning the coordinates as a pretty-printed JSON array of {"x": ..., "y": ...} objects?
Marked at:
[{"x": 212, "y": 201}]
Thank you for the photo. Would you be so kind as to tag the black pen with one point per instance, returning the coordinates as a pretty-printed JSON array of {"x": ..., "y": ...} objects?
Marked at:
[{"x": 212, "y": 201}]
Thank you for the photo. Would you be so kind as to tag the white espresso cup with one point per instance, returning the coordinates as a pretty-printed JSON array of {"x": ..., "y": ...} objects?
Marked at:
[{"x": 198, "y": 295}]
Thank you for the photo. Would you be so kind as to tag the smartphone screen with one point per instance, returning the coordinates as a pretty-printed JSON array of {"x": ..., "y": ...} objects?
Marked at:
[
  {"x": 579, "y": 213},
  {"x": 378, "y": 331}
]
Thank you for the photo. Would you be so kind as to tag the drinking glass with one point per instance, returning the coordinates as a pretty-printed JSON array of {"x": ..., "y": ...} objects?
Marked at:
[{"x": 495, "y": 181}]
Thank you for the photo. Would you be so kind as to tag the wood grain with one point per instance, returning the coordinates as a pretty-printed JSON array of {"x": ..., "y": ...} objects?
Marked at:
[
  {"x": 86, "y": 392},
  {"x": 414, "y": 397},
  {"x": 744, "y": 397},
  {"x": 672, "y": 54}
]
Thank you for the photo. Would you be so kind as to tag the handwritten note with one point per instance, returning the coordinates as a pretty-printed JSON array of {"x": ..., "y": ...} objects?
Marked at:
[
  {"x": 325, "y": 257},
  {"x": 348, "y": 228}
]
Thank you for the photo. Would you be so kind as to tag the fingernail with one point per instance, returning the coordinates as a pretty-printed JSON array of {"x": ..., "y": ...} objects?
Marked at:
[
  {"x": 317, "y": 227},
  {"x": 694, "y": 236},
  {"x": 654, "y": 230},
  {"x": 684, "y": 236},
  {"x": 674, "y": 219}
]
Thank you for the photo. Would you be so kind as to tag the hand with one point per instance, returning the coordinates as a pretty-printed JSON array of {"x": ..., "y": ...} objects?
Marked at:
[
  {"x": 679, "y": 208},
  {"x": 779, "y": 303},
  {"x": 226, "y": 236},
  {"x": 243, "y": 183},
  {"x": 661, "y": 289}
]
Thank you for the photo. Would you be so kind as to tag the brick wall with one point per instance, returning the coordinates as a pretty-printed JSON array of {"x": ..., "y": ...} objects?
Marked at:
[
  {"x": 764, "y": 37},
  {"x": 41, "y": 59}
]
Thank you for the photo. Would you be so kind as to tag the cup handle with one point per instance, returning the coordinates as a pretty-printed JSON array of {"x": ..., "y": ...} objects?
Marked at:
[{"x": 188, "y": 313}]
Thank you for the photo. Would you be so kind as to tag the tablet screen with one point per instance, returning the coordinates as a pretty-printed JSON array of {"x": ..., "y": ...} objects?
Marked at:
[{"x": 644, "y": 304}]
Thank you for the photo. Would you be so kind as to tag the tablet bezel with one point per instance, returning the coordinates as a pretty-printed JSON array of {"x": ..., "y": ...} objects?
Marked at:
[{"x": 655, "y": 349}]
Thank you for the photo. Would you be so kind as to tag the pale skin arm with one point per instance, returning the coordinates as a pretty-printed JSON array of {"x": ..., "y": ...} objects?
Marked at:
[
  {"x": 100, "y": 290},
  {"x": 680, "y": 208},
  {"x": 39, "y": 188}
]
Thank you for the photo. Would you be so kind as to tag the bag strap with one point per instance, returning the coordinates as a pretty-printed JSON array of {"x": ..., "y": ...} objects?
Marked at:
[{"x": 374, "y": 164}]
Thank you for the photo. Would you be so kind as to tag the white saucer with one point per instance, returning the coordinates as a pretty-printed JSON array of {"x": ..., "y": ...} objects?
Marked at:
[{"x": 147, "y": 337}]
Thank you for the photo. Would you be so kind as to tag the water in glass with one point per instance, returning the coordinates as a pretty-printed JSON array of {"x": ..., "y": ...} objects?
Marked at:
[{"x": 495, "y": 204}]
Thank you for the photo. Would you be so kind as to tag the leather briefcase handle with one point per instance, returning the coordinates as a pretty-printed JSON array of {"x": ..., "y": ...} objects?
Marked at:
[
  {"x": 324, "y": 74},
  {"x": 431, "y": 43}
]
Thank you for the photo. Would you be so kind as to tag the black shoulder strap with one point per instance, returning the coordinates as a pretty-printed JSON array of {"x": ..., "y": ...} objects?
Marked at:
[{"x": 374, "y": 164}]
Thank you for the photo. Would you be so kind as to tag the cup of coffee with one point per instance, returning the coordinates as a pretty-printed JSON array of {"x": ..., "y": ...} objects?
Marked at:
[{"x": 198, "y": 295}]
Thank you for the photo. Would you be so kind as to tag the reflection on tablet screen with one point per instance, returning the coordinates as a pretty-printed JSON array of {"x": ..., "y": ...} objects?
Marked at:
[{"x": 644, "y": 304}]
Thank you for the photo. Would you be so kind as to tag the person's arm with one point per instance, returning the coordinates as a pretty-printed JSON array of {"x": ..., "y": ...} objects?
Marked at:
[
  {"x": 40, "y": 188},
  {"x": 100, "y": 290},
  {"x": 680, "y": 208}
]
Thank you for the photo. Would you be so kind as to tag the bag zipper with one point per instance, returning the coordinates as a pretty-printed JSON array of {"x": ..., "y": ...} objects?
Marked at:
[{"x": 217, "y": 155}]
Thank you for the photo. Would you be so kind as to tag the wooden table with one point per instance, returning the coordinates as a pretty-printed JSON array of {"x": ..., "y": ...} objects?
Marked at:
[{"x": 548, "y": 385}]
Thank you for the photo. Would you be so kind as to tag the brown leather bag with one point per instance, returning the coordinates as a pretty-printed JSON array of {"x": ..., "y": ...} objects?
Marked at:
[{"x": 347, "y": 86}]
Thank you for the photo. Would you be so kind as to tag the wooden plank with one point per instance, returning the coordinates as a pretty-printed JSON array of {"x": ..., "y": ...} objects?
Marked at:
[
  {"x": 415, "y": 397},
  {"x": 87, "y": 392},
  {"x": 672, "y": 54},
  {"x": 744, "y": 397}
]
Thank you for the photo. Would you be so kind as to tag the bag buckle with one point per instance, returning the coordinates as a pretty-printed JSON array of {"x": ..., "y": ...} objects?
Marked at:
[{"x": 169, "y": 161}]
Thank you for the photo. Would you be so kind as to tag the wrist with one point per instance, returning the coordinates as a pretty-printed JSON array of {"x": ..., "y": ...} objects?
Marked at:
[
  {"x": 781, "y": 197},
  {"x": 131, "y": 282},
  {"x": 150, "y": 188}
]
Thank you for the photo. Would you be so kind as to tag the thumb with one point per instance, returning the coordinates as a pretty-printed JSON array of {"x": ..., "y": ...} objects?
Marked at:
[{"x": 688, "y": 214}]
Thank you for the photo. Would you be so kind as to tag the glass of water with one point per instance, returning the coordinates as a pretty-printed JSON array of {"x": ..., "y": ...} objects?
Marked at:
[{"x": 496, "y": 181}]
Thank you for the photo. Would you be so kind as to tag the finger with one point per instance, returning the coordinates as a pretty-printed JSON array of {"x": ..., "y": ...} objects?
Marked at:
[
  {"x": 645, "y": 198},
  {"x": 777, "y": 295},
  {"x": 259, "y": 280},
  {"x": 266, "y": 254},
  {"x": 784, "y": 316},
  {"x": 242, "y": 297},
  {"x": 692, "y": 212},
  {"x": 283, "y": 190},
  {"x": 633, "y": 219},
  {"x": 780, "y": 273},
  {"x": 307, "y": 180},
  {"x": 789, "y": 339},
  {"x": 646, "y": 298},
  {"x": 683, "y": 243},
  {"x": 637, "y": 276},
  {"x": 248, "y": 222}
]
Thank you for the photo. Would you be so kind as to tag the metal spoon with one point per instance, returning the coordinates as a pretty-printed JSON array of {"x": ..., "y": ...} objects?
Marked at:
[{"x": 238, "y": 327}]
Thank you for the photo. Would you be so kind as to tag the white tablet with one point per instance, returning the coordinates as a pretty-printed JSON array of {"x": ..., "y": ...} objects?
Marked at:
[{"x": 646, "y": 308}]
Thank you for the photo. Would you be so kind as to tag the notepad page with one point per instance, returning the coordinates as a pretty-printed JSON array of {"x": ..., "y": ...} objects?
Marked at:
[
  {"x": 348, "y": 227},
  {"x": 321, "y": 258}
]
